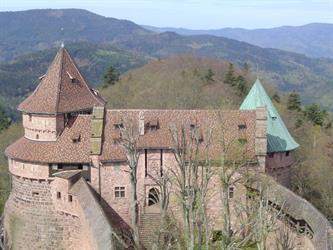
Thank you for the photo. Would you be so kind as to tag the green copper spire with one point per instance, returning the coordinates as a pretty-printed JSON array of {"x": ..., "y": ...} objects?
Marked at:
[{"x": 278, "y": 136}]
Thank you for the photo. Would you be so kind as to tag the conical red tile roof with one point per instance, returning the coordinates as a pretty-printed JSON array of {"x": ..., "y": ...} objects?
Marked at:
[{"x": 61, "y": 90}]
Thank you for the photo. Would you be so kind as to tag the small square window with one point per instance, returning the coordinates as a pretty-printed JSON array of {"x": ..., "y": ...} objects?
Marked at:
[
  {"x": 242, "y": 126},
  {"x": 58, "y": 195},
  {"x": 119, "y": 192},
  {"x": 270, "y": 155},
  {"x": 231, "y": 192}
]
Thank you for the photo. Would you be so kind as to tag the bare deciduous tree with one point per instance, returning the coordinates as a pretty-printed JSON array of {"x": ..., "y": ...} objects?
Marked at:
[
  {"x": 129, "y": 140},
  {"x": 191, "y": 176}
]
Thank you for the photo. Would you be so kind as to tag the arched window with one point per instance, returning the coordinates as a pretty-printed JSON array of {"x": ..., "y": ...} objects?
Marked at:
[{"x": 153, "y": 196}]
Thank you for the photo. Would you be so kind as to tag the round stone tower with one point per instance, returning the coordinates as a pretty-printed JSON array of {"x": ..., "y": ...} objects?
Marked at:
[{"x": 31, "y": 220}]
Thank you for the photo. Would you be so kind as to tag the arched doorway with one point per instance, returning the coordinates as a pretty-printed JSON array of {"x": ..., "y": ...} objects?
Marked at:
[{"x": 153, "y": 196}]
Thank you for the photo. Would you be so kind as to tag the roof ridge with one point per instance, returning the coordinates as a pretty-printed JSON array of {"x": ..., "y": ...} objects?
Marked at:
[
  {"x": 84, "y": 80},
  {"x": 181, "y": 110},
  {"x": 60, "y": 79}
]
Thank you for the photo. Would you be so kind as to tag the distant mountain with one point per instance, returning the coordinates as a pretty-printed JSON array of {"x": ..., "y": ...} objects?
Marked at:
[
  {"x": 24, "y": 31},
  {"x": 314, "y": 40},
  {"x": 127, "y": 45}
]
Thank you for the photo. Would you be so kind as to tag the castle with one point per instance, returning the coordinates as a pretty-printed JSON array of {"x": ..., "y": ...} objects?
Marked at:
[{"x": 69, "y": 178}]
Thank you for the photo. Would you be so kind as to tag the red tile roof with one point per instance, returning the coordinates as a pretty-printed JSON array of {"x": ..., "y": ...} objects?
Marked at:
[
  {"x": 61, "y": 90},
  {"x": 161, "y": 137},
  {"x": 64, "y": 150}
]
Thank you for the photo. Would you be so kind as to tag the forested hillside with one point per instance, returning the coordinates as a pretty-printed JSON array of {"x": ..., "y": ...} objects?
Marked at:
[
  {"x": 187, "y": 82},
  {"x": 20, "y": 77},
  {"x": 286, "y": 70},
  {"x": 26, "y": 31}
]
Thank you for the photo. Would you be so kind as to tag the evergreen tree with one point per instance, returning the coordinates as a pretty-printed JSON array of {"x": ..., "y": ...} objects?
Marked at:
[
  {"x": 294, "y": 101},
  {"x": 229, "y": 77},
  {"x": 4, "y": 119},
  {"x": 209, "y": 76},
  {"x": 241, "y": 85},
  {"x": 111, "y": 77},
  {"x": 314, "y": 114}
]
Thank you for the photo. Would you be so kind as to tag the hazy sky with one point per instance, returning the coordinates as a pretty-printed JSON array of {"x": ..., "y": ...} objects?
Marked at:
[{"x": 196, "y": 14}]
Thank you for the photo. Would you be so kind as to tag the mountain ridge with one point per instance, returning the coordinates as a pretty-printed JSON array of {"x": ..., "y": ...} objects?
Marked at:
[
  {"x": 313, "y": 39},
  {"x": 286, "y": 70}
]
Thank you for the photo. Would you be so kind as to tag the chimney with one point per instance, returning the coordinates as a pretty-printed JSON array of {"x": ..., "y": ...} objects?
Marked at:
[
  {"x": 141, "y": 123},
  {"x": 261, "y": 137},
  {"x": 97, "y": 125}
]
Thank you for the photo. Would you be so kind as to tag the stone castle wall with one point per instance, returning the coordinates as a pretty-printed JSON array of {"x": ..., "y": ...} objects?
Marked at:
[
  {"x": 28, "y": 170},
  {"x": 30, "y": 218},
  {"x": 278, "y": 165},
  {"x": 35, "y": 218},
  {"x": 42, "y": 128}
]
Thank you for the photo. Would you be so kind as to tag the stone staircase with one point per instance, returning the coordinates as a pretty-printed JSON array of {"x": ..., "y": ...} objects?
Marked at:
[{"x": 149, "y": 226}]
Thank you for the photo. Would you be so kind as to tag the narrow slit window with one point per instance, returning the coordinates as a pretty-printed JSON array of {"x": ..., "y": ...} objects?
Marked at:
[
  {"x": 70, "y": 198},
  {"x": 231, "y": 192},
  {"x": 58, "y": 195}
]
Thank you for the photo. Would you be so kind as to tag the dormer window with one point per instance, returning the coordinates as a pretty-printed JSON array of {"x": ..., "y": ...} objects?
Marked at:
[
  {"x": 73, "y": 80},
  {"x": 76, "y": 137},
  {"x": 118, "y": 125},
  {"x": 153, "y": 124}
]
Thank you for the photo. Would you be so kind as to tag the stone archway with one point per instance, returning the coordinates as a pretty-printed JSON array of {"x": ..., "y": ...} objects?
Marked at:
[{"x": 153, "y": 196}]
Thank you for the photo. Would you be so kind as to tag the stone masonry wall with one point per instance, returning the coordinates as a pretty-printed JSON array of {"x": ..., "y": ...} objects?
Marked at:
[
  {"x": 33, "y": 222},
  {"x": 28, "y": 170},
  {"x": 42, "y": 128},
  {"x": 116, "y": 175},
  {"x": 278, "y": 165},
  {"x": 30, "y": 218}
]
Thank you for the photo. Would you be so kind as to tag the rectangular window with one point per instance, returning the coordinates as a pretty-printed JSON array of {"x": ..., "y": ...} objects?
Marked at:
[
  {"x": 287, "y": 153},
  {"x": 58, "y": 195},
  {"x": 231, "y": 192},
  {"x": 119, "y": 192},
  {"x": 70, "y": 198}
]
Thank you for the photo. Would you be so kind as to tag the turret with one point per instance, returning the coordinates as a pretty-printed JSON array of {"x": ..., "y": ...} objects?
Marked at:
[
  {"x": 280, "y": 144},
  {"x": 61, "y": 93}
]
